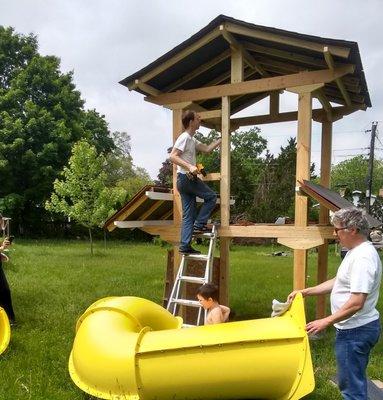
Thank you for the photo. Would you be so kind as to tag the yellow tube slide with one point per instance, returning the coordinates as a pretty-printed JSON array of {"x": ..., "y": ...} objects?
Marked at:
[
  {"x": 132, "y": 348},
  {"x": 5, "y": 330}
]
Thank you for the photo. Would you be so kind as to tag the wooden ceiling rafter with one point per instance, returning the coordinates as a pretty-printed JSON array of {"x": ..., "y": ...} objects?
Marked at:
[
  {"x": 338, "y": 51},
  {"x": 249, "y": 59},
  {"x": 179, "y": 56},
  {"x": 198, "y": 71}
]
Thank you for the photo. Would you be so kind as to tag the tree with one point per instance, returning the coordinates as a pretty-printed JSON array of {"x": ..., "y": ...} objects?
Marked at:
[
  {"x": 82, "y": 194},
  {"x": 41, "y": 117},
  {"x": 352, "y": 173},
  {"x": 120, "y": 169}
]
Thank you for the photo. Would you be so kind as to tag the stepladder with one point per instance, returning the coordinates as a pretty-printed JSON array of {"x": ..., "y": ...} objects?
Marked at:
[{"x": 178, "y": 298}]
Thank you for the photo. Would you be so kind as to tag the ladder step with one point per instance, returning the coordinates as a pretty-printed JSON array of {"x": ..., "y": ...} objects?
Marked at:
[
  {"x": 207, "y": 235},
  {"x": 202, "y": 257},
  {"x": 184, "y": 302},
  {"x": 193, "y": 279}
]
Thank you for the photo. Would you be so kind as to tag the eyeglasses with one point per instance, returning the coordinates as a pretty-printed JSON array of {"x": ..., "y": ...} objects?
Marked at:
[{"x": 336, "y": 230}]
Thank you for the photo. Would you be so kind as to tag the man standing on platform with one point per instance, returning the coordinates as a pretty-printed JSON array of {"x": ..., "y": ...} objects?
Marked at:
[
  {"x": 354, "y": 295},
  {"x": 189, "y": 185}
]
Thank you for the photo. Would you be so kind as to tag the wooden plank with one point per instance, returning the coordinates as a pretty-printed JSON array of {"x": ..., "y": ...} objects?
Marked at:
[
  {"x": 331, "y": 64},
  {"x": 302, "y": 172},
  {"x": 198, "y": 71},
  {"x": 141, "y": 224},
  {"x": 324, "y": 217},
  {"x": 274, "y": 103},
  {"x": 253, "y": 86},
  {"x": 180, "y": 56},
  {"x": 213, "y": 176},
  {"x": 300, "y": 243},
  {"x": 245, "y": 54},
  {"x": 177, "y": 207},
  {"x": 146, "y": 88},
  {"x": 225, "y": 200},
  {"x": 151, "y": 210},
  {"x": 317, "y": 115},
  {"x": 277, "y": 231},
  {"x": 237, "y": 69},
  {"x": 338, "y": 51},
  {"x": 210, "y": 114}
]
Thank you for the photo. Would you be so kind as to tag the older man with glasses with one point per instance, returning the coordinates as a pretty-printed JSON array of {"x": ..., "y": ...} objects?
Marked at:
[{"x": 354, "y": 295}]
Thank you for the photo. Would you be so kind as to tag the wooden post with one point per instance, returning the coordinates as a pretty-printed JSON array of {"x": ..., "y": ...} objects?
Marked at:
[
  {"x": 302, "y": 172},
  {"x": 177, "y": 207},
  {"x": 225, "y": 200},
  {"x": 324, "y": 217},
  {"x": 236, "y": 65}
]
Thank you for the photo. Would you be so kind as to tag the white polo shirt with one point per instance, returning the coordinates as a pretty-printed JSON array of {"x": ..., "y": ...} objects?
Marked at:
[
  {"x": 359, "y": 272},
  {"x": 188, "y": 145}
]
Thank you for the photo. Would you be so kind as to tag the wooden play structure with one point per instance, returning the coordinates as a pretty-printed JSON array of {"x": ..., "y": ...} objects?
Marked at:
[{"x": 224, "y": 68}]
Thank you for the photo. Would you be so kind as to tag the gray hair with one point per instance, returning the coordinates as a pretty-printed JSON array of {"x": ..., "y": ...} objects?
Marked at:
[{"x": 351, "y": 218}]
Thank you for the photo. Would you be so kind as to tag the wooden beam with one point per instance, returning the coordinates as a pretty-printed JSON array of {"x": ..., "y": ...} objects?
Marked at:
[
  {"x": 151, "y": 210},
  {"x": 274, "y": 103},
  {"x": 225, "y": 200},
  {"x": 339, "y": 51},
  {"x": 302, "y": 172},
  {"x": 146, "y": 88},
  {"x": 253, "y": 86},
  {"x": 180, "y": 55},
  {"x": 277, "y": 231},
  {"x": 317, "y": 115},
  {"x": 141, "y": 224},
  {"x": 301, "y": 243},
  {"x": 320, "y": 95},
  {"x": 177, "y": 206},
  {"x": 331, "y": 65},
  {"x": 246, "y": 55},
  {"x": 324, "y": 217},
  {"x": 198, "y": 71},
  {"x": 210, "y": 114},
  {"x": 213, "y": 176},
  {"x": 237, "y": 69}
]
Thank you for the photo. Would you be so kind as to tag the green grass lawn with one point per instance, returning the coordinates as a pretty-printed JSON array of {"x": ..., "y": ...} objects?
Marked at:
[{"x": 53, "y": 282}]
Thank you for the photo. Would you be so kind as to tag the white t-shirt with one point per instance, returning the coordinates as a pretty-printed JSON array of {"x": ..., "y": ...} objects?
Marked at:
[
  {"x": 359, "y": 272},
  {"x": 188, "y": 145}
]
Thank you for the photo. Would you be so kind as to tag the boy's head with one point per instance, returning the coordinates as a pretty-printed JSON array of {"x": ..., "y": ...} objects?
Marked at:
[{"x": 207, "y": 295}]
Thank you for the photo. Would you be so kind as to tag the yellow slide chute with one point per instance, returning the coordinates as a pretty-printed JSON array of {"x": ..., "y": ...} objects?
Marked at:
[
  {"x": 5, "y": 330},
  {"x": 132, "y": 348}
]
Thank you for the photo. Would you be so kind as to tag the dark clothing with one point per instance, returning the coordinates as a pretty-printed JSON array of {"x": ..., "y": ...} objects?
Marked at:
[
  {"x": 189, "y": 190},
  {"x": 5, "y": 295}
]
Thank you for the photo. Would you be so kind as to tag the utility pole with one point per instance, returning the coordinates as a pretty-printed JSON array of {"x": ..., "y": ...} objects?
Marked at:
[{"x": 370, "y": 166}]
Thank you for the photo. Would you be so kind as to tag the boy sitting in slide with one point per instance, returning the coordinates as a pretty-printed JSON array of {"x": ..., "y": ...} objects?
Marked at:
[{"x": 207, "y": 295}]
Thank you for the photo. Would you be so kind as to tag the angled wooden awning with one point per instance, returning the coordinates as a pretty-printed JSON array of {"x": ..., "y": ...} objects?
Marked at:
[
  {"x": 151, "y": 206},
  {"x": 332, "y": 200},
  {"x": 204, "y": 61}
]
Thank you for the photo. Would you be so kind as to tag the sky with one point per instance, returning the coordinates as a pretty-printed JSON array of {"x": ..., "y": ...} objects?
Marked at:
[{"x": 104, "y": 41}]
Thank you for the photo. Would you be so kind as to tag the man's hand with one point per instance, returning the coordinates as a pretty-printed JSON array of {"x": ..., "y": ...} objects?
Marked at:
[
  {"x": 6, "y": 243},
  {"x": 317, "y": 326},
  {"x": 292, "y": 295},
  {"x": 193, "y": 169}
]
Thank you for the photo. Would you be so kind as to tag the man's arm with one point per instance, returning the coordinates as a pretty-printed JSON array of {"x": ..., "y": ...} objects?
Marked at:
[
  {"x": 208, "y": 148},
  {"x": 349, "y": 308},
  {"x": 323, "y": 288},
  {"x": 176, "y": 159}
]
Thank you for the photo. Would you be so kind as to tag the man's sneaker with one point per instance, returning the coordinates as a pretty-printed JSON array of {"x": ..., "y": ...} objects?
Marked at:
[
  {"x": 203, "y": 229},
  {"x": 189, "y": 250}
]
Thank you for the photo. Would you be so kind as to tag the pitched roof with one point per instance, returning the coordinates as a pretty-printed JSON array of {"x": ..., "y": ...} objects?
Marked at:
[{"x": 204, "y": 60}]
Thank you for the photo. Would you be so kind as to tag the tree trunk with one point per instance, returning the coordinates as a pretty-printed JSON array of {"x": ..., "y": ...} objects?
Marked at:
[{"x": 91, "y": 241}]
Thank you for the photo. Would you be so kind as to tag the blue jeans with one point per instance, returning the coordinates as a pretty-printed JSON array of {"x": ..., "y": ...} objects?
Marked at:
[
  {"x": 188, "y": 190},
  {"x": 352, "y": 349}
]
